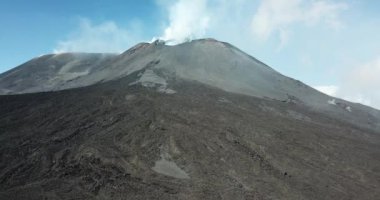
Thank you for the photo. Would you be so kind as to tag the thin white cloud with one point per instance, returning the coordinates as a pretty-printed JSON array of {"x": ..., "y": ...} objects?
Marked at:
[
  {"x": 362, "y": 82},
  {"x": 349, "y": 95},
  {"x": 366, "y": 75},
  {"x": 278, "y": 17},
  {"x": 104, "y": 37},
  {"x": 359, "y": 84},
  {"x": 275, "y": 15},
  {"x": 189, "y": 19},
  {"x": 326, "y": 11},
  {"x": 284, "y": 38},
  {"x": 328, "y": 89}
]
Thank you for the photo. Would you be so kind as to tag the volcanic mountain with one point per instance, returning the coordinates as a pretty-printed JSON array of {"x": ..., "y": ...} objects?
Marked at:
[{"x": 198, "y": 120}]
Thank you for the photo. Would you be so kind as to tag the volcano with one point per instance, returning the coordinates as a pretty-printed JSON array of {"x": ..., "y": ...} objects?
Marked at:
[{"x": 198, "y": 120}]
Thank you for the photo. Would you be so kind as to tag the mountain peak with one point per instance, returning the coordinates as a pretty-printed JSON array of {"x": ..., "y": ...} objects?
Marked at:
[
  {"x": 179, "y": 122},
  {"x": 207, "y": 61}
]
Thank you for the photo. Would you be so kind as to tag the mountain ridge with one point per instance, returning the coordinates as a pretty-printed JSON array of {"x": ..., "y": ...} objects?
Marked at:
[
  {"x": 199, "y": 120},
  {"x": 208, "y": 61},
  {"x": 120, "y": 140}
]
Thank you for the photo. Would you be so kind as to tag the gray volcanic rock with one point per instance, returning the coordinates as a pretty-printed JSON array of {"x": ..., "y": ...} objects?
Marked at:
[
  {"x": 199, "y": 120},
  {"x": 207, "y": 61},
  {"x": 120, "y": 140},
  {"x": 51, "y": 72}
]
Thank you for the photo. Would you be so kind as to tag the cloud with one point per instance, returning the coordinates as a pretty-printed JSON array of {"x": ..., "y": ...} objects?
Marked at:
[
  {"x": 279, "y": 16},
  {"x": 362, "y": 82},
  {"x": 187, "y": 20},
  {"x": 190, "y": 19},
  {"x": 349, "y": 95},
  {"x": 103, "y": 37},
  {"x": 359, "y": 84},
  {"x": 328, "y": 89},
  {"x": 246, "y": 24},
  {"x": 366, "y": 75},
  {"x": 221, "y": 19}
]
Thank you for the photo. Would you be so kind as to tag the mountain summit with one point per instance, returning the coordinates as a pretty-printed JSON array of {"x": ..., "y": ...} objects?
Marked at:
[
  {"x": 198, "y": 120},
  {"x": 208, "y": 61}
]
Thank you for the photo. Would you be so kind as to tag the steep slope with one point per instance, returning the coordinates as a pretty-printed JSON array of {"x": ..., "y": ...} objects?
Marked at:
[
  {"x": 122, "y": 140},
  {"x": 51, "y": 72},
  {"x": 199, "y": 120},
  {"x": 207, "y": 61}
]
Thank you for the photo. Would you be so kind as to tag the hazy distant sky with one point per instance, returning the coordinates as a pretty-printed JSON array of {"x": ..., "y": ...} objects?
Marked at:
[{"x": 332, "y": 45}]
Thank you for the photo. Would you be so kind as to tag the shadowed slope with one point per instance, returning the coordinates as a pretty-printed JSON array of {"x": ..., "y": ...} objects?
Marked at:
[
  {"x": 199, "y": 120},
  {"x": 207, "y": 61},
  {"x": 109, "y": 141}
]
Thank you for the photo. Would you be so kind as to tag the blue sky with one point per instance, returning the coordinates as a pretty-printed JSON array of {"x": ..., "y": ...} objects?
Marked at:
[{"x": 332, "y": 45}]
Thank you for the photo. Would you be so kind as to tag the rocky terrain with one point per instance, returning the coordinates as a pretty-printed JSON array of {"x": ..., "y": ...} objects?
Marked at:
[{"x": 200, "y": 120}]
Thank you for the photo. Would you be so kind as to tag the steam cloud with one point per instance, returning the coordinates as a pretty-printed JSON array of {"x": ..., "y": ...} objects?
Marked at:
[
  {"x": 188, "y": 20},
  {"x": 100, "y": 38},
  {"x": 243, "y": 23}
]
